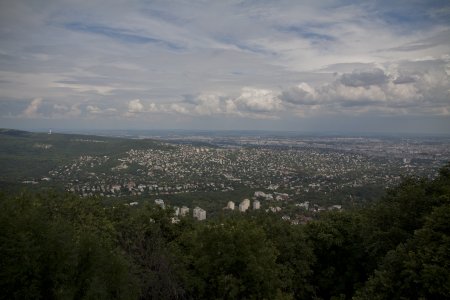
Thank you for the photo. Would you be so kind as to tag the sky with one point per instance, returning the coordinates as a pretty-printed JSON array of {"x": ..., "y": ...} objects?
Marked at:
[{"x": 341, "y": 66}]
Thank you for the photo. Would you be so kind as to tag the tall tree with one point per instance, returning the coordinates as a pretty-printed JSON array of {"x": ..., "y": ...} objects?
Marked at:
[
  {"x": 417, "y": 269},
  {"x": 230, "y": 260}
]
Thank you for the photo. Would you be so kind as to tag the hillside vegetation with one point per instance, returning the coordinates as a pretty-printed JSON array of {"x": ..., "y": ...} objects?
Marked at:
[
  {"x": 26, "y": 154},
  {"x": 59, "y": 246}
]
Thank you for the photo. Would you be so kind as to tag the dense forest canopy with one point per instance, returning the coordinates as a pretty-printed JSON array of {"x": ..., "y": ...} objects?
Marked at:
[{"x": 61, "y": 246}]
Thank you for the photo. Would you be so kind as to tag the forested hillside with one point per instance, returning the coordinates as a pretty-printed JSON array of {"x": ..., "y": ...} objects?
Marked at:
[
  {"x": 60, "y": 246},
  {"x": 26, "y": 154}
]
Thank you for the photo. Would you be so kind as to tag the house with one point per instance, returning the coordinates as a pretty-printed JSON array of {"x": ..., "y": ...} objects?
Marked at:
[
  {"x": 256, "y": 204},
  {"x": 176, "y": 210},
  {"x": 272, "y": 187},
  {"x": 335, "y": 207},
  {"x": 274, "y": 209},
  {"x": 184, "y": 210},
  {"x": 199, "y": 213},
  {"x": 115, "y": 188},
  {"x": 305, "y": 205},
  {"x": 244, "y": 205},
  {"x": 259, "y": 194},
  {"x": 281, "y": 196},
  {"x": 160, "y": 202},
  {"x": 130, "y": 185}
]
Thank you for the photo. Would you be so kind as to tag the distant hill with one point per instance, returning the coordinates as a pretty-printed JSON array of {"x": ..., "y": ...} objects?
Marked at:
[
  {"x": 14, "y": 132},
  {"x": 24, "y": 155}
]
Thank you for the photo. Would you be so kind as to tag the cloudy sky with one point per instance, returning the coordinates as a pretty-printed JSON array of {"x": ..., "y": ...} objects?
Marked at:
[{"x": 378, "y": 66}]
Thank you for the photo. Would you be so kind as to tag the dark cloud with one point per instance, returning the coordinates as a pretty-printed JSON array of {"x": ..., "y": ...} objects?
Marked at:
[
  {"x": 122, "y": 35},
  {"x": 191, "y": 99},
  {"x": 306, "y": 33},
  {"x": 404, "y": 80},
  {"x": 298, "y": 95},
  {"x": 416, "y": 87},
  {"x": 364, "y": 78},
  {"x": 359, "y": 103}
]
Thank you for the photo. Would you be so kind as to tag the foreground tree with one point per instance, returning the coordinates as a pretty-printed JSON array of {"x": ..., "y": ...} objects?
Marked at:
[
  {"x": 295, "y": 255},
  {"x": 418, "y": 269},
  {"x": 394, "y": 218},
  {"x": 230, "y": 260},
  {"x": 55, "y": 246},
  {"x": 47, "y": 255},
  {"x": 339, "y": 252},
  {"x": 143, "y": 234}
]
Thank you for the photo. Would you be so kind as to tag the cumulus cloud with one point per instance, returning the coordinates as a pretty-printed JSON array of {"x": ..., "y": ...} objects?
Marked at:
[
  {"x": 364, "y": 78},
  {"x": 153, "y": 108},
  {"x": 402, "y": 79},
  {"x": 284, "y": 56},
  {"x": 396, "y": 89},
  {"x": 95, "y": 110},
  {"x": 32, "y": 110},
  {"x": 110, "y": 110},
  {"x": 204, "y": 104},
  {"x": 66, "y": 111},
  {"x": 177, "y": 108},
  {"x": 135, "y": 106},
  {"x": 208, "y": 104},
  {"x": 302, "y": 94},
  {"x": 249, "y": 102},
  {"x": 167, "y": 108},
  {"x": 257, "y": 101}
]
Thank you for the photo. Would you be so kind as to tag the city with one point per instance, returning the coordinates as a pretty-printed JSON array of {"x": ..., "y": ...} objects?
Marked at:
[{"x": 287, "y": 171}]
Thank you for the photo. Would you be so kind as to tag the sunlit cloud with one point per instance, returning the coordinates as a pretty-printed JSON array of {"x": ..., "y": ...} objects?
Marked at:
[{"x": 32, "y": 110}]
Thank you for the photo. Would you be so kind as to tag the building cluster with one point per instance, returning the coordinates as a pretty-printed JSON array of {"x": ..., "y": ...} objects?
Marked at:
[
  {"x": 281, "y": 172},
  {"x": 244, "y": 205},
  {"x": 275, "y": 169},
  {"x": 316, "y": 208},
  {"x": 198, "y": 213}
]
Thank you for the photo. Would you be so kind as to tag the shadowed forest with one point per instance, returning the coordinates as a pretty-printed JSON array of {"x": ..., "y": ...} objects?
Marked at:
[{"x": 59, "y": 246}]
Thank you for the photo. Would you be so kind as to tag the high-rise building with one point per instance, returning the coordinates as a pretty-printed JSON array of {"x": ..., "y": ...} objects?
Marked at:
[
  {"x": 256, "y": 204},
  {"x": 230, "y": 205},
  {"x": 244, "y": 205},
  {"x": 199, "y": 214},
  {"x": 184, "y": 211},
  {"x": 160, "y": 202}
]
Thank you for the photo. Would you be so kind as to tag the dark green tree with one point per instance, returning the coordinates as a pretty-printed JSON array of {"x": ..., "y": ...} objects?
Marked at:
[
  {"x": 232, "y": 259},
  {"x": 394, "y": 218},
  {"x": 47, "y": 255},
  {"x": 143, "y": 235},
  {"x": 339, "y": 253},
  {"x": 417, "y": 269},
  {"x": 295, "y": 258}
]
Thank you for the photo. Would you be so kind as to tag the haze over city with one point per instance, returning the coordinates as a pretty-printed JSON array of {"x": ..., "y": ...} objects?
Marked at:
[{"x": 378, "y": 66}]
